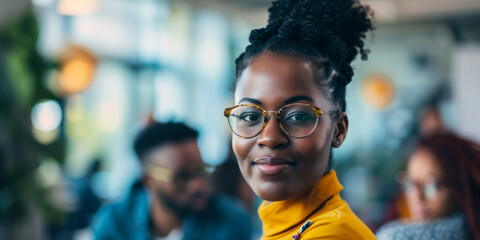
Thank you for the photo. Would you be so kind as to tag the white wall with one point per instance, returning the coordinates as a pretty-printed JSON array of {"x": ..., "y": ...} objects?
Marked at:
[{"x": 466, "y": 90}]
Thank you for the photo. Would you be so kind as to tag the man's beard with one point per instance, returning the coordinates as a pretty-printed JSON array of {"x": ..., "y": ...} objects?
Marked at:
[{"x": 180, "y": 209}]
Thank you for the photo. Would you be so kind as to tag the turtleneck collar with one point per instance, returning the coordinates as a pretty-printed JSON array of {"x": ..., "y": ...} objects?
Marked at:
[{"x": 282, "y": 216}]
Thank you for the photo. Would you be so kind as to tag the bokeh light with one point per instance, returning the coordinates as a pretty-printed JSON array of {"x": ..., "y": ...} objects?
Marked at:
[
  {"x": 45, "y": 137},
  {"x": 43, "y": 3},
  {"x": 109, "y": 117},
  {"x": 49, "y": 173},
  {"x": 77, "y": 7},
  {"x": 77, "y": 70},
  {"x": 76, "y": 75},
  {"x": 378, "y": 91},
  {"x": 46, "y": 115}
]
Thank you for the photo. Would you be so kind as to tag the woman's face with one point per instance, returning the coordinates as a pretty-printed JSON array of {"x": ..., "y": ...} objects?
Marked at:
[
  {"x": 428, "y": 197},
  {"x": 276, "y": 166}
]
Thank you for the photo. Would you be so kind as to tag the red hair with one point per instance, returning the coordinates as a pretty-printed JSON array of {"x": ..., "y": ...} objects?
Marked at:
[{"x": 460, "y": 160}]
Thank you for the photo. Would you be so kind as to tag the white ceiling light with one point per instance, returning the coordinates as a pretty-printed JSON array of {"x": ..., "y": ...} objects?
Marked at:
[{"x": 77, "y": 7}]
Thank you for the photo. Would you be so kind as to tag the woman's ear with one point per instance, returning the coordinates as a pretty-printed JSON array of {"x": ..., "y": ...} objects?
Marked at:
[{"x": 341, "y": 129}]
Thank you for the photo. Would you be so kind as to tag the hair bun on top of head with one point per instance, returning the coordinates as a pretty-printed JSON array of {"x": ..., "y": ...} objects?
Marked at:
[
  {"x": 334, "y": 27},
  {"x": 328, "y": 33}
]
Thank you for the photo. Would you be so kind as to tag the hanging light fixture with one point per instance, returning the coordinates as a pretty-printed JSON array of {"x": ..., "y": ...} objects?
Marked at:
[
  {"x": 77, "y": 7},
  {"x": 78, "y": 69},
  {"x": 378, "y": 91}
]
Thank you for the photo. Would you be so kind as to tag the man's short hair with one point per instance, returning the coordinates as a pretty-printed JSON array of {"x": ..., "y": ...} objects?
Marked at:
[{"x": 157, "y": 134}]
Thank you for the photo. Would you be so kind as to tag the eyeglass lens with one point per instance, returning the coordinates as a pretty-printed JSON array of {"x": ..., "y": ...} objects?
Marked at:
[{"x": 429, "y": 190}]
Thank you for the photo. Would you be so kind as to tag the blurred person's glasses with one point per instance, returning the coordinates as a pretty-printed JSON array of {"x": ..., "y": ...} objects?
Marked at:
[
  {"x": 429, "y": 189},
  {"x": 296, "y": 120},
  {"x": 181, "y": 177}
]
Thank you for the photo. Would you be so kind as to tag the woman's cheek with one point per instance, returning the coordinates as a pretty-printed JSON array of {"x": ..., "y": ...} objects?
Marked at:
[{"x": 241, "y": 147}]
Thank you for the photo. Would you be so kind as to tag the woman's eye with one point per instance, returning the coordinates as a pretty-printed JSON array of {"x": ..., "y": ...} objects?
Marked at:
[
  {"x": 250, "y": 117},
  {"x": 299, "y": 117}
]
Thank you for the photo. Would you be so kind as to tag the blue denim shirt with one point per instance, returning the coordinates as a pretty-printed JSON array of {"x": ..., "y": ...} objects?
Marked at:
[{"x": 129, "y": 219}]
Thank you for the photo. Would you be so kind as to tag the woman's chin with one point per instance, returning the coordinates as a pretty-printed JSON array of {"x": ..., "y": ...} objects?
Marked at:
[
  {"x": 420, "y": 216},
  {"x": 270, "y": 197},
  {"x": 273, "y": 191}
]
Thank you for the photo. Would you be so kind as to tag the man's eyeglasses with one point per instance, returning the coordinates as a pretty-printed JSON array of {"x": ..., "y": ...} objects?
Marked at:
[
  {"x": 177, "y": 177},
  {"x": 296, "y": 120}
]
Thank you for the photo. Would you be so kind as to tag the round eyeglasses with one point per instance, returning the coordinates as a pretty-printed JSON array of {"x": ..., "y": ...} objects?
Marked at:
[
  {"x": 296, "y": 120},
  {"x": 429, "y": 190}
]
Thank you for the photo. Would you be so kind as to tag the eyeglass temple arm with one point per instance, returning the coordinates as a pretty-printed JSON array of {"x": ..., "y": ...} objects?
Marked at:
[
  {"x": 159, "y": 173},
  {"x": 227, "y": 111}
]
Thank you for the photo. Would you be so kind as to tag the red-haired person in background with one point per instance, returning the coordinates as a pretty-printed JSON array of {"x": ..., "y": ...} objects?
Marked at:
[{"x": 442, "y": 189}]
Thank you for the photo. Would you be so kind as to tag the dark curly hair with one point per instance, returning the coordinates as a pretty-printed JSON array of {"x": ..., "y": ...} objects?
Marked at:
[{"x": 327, "y": 33}]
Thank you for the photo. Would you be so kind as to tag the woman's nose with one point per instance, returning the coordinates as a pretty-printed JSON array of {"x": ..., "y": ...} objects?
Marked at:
[
  {"x": 272, "y": 136},
  {"x": 415, "y": 193}
]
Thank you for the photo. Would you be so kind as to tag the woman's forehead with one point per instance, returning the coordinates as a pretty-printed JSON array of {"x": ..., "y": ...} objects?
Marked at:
[
  {"x": 424, "y": 163},
  {"x": 272, "y": 63},
  {"x": 277, "y": 77}
]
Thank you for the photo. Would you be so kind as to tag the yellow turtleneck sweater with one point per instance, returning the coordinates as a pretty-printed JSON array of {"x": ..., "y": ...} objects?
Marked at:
[{"x": 330, "y": 216}]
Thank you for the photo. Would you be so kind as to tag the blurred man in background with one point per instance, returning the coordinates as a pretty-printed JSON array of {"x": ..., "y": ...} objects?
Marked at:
[{"x": 173, "y": 200}]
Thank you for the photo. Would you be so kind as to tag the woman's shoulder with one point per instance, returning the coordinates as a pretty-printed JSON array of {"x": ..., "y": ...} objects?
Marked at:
[
  {"x": 390, "y": 229},
  {"x": 337, "y": 212},
  {"x": 451, "y": 227},
  {"x": 338, "y": 223}
]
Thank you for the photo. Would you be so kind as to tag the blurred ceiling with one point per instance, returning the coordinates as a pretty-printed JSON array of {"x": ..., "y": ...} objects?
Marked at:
[
  {"x": 254, "y": 11},
  {"x": 386, "y": 11}
]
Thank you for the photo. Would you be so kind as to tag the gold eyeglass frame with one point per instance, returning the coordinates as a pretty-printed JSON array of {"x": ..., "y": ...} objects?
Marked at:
[
  {"x": 318, "y": 112},
  {"x": 165, "y": 175}
]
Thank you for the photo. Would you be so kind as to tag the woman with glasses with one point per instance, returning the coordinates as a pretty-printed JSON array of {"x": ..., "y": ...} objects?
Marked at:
[
  {"x": 290, "y": 112},
  {"x": 442, "y": 190}
]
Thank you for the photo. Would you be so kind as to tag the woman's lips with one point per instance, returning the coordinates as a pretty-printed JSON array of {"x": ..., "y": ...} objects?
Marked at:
[{"x": 272, "y": 166}]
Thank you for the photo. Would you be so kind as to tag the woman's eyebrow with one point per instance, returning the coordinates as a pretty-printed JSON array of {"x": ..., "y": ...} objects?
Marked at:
[
  {"x": 252, "y": 100},
  {"x": 298, "y": 98}
]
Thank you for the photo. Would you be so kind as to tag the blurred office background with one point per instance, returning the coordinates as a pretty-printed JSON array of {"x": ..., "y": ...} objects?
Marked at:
[{"x": 79, "y": 78}]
